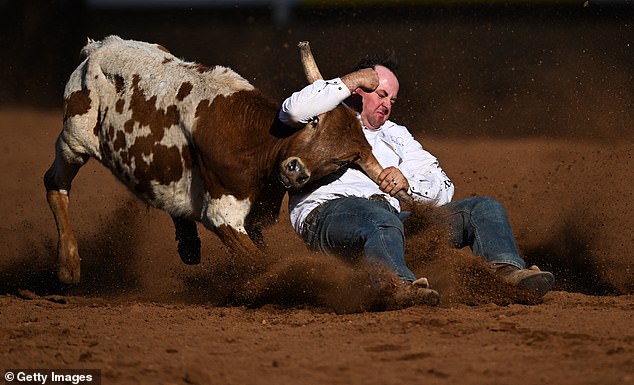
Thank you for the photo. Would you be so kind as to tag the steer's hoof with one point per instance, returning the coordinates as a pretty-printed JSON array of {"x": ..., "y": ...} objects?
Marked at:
[
  {"x": 68, "y": 261},
  {"x": 189, "y": 251},
  {"x": 190, "y": 259},
  {"x": 68, "y": 276}
]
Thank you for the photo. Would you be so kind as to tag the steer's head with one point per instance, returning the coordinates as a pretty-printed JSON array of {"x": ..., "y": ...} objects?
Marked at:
[{"x": 332, "y": 140}]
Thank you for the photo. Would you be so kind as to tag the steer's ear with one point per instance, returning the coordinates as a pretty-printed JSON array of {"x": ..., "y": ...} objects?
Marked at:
[
  {"x": 314, "y": 122},
  {"x": 308, "y": 62}
]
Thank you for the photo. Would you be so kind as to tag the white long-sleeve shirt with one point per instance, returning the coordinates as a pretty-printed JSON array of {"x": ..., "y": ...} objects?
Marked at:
[{"x": 392, "y": 145}]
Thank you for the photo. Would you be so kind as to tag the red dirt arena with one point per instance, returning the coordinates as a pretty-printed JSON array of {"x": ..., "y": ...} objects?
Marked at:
[{"x": 529, "y": 105}]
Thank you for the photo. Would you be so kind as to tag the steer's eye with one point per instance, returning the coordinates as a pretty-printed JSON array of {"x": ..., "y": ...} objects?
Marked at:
[{"x": 314, "y": 121}]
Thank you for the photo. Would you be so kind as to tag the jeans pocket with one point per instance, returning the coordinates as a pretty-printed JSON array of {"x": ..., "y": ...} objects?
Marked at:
[{"x": 309, "y": 228}]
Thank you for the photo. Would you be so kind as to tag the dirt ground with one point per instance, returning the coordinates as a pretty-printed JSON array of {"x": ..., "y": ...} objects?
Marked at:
[{"x": 141, "y": 316}]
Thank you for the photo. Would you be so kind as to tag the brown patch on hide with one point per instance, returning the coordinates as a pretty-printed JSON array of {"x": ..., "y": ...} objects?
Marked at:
[
  {"x": 184, "y": 90},
  {"x": 129, "y": 126},
  {"x": 119, "y": 142},
  {"x": 119, "y": 106},
  {"x": 166, "y": 166},
  {"x": 230, "y": 134},
  {"x": 198, "y": 67},
  {"x": 145, "y": 113},
  {"x": 119, "y": 83},
  {"x": 241, "y": 112},
  {"x": 167, "y": 60},
  {"x": 78, "y": 103},
  {"x": 162, "y": 48},
  {"x": 145, "y": 159}
]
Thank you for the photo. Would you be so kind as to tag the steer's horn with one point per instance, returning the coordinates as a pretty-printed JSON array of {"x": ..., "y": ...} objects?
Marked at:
[
  {"x": 372, "y": 169},
  {"x": 310, "y": 67}
]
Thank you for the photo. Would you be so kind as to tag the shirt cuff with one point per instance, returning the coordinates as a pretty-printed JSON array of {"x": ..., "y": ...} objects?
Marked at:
[{"x": 341, "y": 90}]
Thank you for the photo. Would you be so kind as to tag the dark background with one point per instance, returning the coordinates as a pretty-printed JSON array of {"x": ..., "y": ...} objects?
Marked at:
[{"x": 498, "y": 70}]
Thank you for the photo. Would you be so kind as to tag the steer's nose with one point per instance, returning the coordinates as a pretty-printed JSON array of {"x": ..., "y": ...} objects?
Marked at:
[
  {"x": 292, "y": 166},
  {"x": 302, "y": 178},
  {"x": 293, "y": 173}
]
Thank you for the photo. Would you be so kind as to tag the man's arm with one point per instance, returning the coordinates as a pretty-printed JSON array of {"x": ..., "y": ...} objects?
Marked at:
[
  {"x": 427, "y": 180},
  {"x": 323, "y": 96}
]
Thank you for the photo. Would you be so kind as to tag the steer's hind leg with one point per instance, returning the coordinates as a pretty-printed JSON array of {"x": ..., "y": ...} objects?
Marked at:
[
  {"x": 57, "y": 181},
  {"x": 188, "y": 240}
]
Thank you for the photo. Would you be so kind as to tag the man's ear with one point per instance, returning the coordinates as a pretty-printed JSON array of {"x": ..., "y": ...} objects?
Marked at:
[{"x": 358, "y": 91}]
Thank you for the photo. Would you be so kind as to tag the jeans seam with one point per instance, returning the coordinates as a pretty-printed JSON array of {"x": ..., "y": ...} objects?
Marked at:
[
  {"x": 477, "y": 241},
  {"x": 385, "y": 249},
  {"x": 461, "y": 212},
  {"x": 476, "y": 235}
]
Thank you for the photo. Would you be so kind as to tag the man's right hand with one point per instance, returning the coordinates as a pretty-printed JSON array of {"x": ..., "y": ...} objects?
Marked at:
[{"x": 366, "y": 79}]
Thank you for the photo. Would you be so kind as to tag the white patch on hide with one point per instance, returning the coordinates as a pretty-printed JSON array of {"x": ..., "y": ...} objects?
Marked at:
[
  {"x": 182, "y": 198},
  {"x": 227, "y": 211}
]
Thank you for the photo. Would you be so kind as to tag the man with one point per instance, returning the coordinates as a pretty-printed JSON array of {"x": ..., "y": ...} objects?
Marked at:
[{"x": 348, "y": 213}]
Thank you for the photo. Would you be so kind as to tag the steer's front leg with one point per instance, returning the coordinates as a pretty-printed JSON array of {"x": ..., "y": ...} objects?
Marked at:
[
  {"x": 67, "y": 252},
  {"x": 237, "y": 241},
  {"x": 226, "y": 216},
  {"x": 188, "y": 240}
]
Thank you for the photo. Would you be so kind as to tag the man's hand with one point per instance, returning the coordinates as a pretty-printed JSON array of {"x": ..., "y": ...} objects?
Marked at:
[
  {"x": 391, "y": 180},
  {"x": 366, "y": 79}
]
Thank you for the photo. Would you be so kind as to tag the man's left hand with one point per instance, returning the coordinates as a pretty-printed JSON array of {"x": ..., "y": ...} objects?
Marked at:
[{"x": 392, "y": 180}]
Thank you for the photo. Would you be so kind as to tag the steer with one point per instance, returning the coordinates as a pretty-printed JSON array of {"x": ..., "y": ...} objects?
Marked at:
[{"x": 198, "y": 142}]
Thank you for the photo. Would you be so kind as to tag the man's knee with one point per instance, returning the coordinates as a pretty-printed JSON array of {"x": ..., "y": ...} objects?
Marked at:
[
  {"x": 488, "y": 207},
  {"x": 390, "y": 222},
  {"x": 391, "y": 231}
]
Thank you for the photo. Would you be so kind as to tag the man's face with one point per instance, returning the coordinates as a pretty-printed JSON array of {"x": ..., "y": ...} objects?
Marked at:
[{"x": 377, "y": 105}]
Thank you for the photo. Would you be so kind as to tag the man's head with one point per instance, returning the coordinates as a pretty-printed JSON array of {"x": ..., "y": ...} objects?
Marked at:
[{"x": 376, "y": 106}]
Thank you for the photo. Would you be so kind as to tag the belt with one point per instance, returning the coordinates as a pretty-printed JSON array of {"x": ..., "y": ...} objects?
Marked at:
[
  {"x": 379, "y": 198},
  {"x": 309, "y": 220}
]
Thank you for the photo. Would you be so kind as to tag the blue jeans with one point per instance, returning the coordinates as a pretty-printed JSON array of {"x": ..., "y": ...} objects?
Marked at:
[
  {"x": 354, "y": 226},
  {"x": 482, "y": 224}
]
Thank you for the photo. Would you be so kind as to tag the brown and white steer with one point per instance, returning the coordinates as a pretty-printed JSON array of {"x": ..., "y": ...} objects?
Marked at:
[{"x": 198, "y": 142}]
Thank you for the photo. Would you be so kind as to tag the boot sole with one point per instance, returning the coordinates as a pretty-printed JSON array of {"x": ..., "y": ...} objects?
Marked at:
[{"x": 538, "y": 283}]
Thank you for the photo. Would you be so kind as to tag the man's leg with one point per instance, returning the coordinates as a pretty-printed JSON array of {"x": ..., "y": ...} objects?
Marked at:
[
  {"x": 355, "y": 226},
  {"x": 482, "y": 224}
]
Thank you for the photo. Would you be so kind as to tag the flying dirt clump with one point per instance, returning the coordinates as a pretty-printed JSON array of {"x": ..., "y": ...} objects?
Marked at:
[
  {"x": 459, "y": 276},
  {"x": 315, "y": 279}
]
